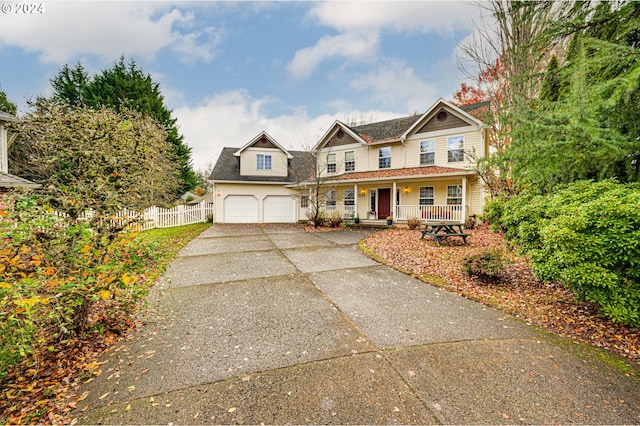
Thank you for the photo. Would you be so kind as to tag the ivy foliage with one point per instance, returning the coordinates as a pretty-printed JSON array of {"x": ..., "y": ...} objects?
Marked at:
[{"x": 586, "y": 235}]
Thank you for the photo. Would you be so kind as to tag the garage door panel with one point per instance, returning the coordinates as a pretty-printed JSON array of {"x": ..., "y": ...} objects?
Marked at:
[
  {"x": 240, "y": 209},
  {"x": 279, "y": 209}
]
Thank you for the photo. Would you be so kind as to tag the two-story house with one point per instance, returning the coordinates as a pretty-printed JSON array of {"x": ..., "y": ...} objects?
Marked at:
[{"x": 420, "y": 166}]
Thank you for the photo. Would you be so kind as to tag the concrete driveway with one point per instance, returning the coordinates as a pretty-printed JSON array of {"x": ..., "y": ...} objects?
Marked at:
[{"x": 274, "y": 325}]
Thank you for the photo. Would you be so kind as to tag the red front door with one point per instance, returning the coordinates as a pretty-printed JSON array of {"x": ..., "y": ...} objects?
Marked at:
[{"x": 384, "y": 203}]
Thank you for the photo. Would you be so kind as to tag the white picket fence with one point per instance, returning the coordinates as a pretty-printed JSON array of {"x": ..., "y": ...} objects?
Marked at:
[{"x": 158, "y": 217}]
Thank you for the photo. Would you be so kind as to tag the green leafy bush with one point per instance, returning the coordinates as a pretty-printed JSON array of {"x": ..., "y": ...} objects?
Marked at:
[
  {"x": 487, "y": 266},
  {"x": 53, "y": 271},
  {"x": 586, "y": 235}
]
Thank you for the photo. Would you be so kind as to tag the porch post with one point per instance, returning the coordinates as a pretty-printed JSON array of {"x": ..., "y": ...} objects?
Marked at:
[
  {"x": 394, "y": 197},
  {"x": 464, "y": 199},
  {"x": 355, "y": 199}
]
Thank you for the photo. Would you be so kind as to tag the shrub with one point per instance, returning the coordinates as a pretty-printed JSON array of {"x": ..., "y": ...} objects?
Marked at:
[
  {"x": 414, "y": 223},
  {"x": 335, "y": 220},
  {"x": 53, "y": 271},
  {"x": 487, "y": 266},
  {"x": 586, "y": 235}
]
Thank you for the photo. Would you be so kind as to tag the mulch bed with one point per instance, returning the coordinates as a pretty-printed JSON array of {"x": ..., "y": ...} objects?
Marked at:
[{"x": 548, "y": 305}]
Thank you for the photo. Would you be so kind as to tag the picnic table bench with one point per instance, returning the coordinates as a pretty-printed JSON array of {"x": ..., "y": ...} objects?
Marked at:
[{"x": 442, "y": 230}]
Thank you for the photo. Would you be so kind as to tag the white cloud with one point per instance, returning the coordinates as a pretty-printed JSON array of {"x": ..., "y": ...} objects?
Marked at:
[
  {"x": 396, "y": 83},
  {"x": 441, "y": 17},
  {"x": 353, "y": 46},
  {"x": 362, "y": 24},
  {"x": 232, "y": 119},
  {"x": 69, "y": 29}
]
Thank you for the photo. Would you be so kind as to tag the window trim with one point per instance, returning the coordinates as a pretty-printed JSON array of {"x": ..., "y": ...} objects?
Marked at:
[
  {"x": 264, "y": 162},
  {"x": 421, "y": 198},
  {"x": 350, "y": 165},
  {"x": 331, "y": 197},
  {"x": 387, "y": 160},
  {"x": 331, "y": 163},
  {"x": 458, "y": 195},
  {"x": 425, "y": 152},
  {"x": 350, "y": 201},
  {"x": 459, "y": 151}
]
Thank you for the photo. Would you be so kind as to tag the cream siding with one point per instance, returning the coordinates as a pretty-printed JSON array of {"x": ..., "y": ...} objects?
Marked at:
[
  {"x": 472, "y": 143},
  {"x": 397, "y": 156},
  {"x": 249, "y": 164},
  {"x": 360, "y": 159}
]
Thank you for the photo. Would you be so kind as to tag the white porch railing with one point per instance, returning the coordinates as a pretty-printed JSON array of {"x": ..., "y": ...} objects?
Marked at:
[
  {"x": 345, "y": 212},
  {"x": 451, "y": 213}
]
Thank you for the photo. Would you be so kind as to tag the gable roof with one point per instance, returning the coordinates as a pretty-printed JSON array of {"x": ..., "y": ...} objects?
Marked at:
[
  {"x": 263, "y": 135},
  {"x": 398, "y": 129},
  {"x": 227, "y": 168}
]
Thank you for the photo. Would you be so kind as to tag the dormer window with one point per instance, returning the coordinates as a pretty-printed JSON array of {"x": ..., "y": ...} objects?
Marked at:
[{"x": 263, "y": 162}]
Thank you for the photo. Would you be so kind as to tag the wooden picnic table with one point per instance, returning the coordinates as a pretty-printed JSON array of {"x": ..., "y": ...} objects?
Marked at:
[{"x": 441, "y": 230}]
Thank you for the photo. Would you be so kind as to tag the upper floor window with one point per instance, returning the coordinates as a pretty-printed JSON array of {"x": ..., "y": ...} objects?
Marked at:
[
  {"x": 426, "y": 195},
  {"x": 456, "y": 149},
  {"x": 264, "y": 162},
  {"x": 349, "y": 161},
  {"x": 427, "y": 152},
  {"x": 331, "y": 163},
  {"x": 454, "y": 194},
  {"x": 384, "y": 158},
  {"x": 349, "y": 197}
]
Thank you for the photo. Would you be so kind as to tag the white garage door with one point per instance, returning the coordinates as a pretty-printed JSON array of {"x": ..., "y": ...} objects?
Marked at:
[
  {"x": 240, "y": 209},
  {"x": 279, "y": 209}
]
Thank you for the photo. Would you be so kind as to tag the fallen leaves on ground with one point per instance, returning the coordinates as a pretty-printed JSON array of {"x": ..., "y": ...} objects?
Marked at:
[
  {"x": 549, "y": 305},
  {"x": 43, "y": 389}
]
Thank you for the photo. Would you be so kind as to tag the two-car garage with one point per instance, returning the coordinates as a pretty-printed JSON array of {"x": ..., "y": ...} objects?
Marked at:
[{"x": 246, "y": 209}]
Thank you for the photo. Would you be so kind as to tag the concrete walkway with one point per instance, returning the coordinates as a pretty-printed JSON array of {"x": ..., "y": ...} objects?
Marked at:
[{"x": 274, "y": 325}]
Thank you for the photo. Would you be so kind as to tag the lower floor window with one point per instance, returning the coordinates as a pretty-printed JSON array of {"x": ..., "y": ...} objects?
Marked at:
[
  {"x": 349, "y": 197},
  {"x": 454, "y": 194},
  {"x": 331, "y": 197},
  {"x": 426, "y": 195}
]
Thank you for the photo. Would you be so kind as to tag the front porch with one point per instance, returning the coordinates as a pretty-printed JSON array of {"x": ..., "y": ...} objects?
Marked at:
[{"x": 425, "y": 213}]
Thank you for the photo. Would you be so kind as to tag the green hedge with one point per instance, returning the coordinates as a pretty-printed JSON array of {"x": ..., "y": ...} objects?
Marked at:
[{"x": 586, "y": 235}]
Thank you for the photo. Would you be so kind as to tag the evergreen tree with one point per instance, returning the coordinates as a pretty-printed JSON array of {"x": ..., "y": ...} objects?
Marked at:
[
  {"x": 71, "y": 85},
  {"x": 552, "y": 83},
  {"x": 126, "y": 86},
  {"x": 6, "y": 105}
]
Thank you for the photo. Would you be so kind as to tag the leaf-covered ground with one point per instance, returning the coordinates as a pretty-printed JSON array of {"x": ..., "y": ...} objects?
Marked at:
[{"x": 548, "y": 305}]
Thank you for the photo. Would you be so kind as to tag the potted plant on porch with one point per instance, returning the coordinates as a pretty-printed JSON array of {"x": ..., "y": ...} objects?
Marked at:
[{"x": 389, "y": 220}]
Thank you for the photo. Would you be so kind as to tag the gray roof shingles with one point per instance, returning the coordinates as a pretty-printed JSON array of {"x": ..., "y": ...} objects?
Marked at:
[
  {"x": 385, "y": 130},
  {"x": 227, "y": 168}
]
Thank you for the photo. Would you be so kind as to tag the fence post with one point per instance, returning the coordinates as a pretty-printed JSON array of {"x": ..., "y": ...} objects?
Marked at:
[
  {"x": 180, "y": 214},
  {"x": 203, "y": 212}
]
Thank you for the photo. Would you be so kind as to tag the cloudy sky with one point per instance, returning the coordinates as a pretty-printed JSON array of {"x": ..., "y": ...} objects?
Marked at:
[{"x": 232, "y": 69}]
